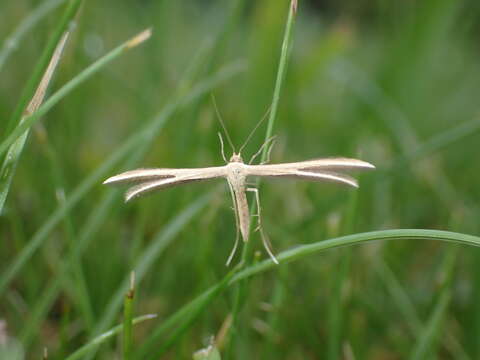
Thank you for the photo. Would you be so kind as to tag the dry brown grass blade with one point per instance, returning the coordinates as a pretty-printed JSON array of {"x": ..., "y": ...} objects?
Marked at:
[
  {"x": 13, "y": 154},
  {"x": 43, "y": 86}
]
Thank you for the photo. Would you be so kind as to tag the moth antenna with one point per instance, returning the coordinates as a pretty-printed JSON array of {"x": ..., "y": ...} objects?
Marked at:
[
  {"x": 255, "y": 128},
  {"x": 222, "y": 147},
  {"x": 222, "y": 123}
]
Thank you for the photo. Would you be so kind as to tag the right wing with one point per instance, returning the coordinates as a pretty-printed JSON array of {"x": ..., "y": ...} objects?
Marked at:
[
  {"x": 155, "y": 179},
  {"x": 329, "y": 169}
]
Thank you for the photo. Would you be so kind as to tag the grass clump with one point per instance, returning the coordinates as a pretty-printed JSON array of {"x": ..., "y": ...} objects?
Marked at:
[{"x": 360, "y": 80}]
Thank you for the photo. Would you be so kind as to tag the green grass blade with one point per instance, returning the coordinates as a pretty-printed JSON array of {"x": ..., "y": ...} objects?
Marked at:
[
  {"x": 10, "y": 44},
  {"x": 71, "y": 85},
  {"x": 128, "y": 319},
  {"x": 94, "y": 343},
  {"x": 241, "y": 291},
  {"x": 282, "y": 70},
  {"x": 356, "y": 239}
]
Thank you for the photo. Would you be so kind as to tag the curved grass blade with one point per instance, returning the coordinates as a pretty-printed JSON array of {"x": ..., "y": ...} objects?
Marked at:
[{"x": 355, "y": 239}]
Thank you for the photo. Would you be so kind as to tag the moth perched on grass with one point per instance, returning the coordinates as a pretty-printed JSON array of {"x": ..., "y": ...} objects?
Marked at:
[{"x": 236, "y": 173}]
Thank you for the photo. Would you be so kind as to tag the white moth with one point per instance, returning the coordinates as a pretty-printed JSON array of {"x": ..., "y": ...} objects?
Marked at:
[{"x": 236, "y": 172}]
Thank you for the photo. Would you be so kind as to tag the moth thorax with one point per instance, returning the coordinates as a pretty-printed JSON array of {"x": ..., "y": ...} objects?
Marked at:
[{"x": 236, "y": 158}]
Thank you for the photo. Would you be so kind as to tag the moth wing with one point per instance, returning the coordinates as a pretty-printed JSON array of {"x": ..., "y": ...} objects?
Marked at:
[
  {"x": 146, "y": 187},
  {"x": 325, "y": 164},
  {"x": 155, "y": 179},
  {"x": 141, "y": 175},
  {"x": 316, "y": 170},
  {"x": 335, "y": 164}
]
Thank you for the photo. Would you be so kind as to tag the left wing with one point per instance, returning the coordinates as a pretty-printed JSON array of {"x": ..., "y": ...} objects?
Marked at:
[
  {"x": 155, "y": 179},
  {"x": 316, "y": 170}
]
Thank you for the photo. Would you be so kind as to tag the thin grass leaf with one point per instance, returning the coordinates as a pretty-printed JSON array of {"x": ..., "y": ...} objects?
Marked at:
[
  {"x": 94, "y": 343},
  {"x": 10, "y": 44},
  {"x": 13, "y": 155},
  {"x": 54, "y": 99},
  {"x": 282, "y": 70},
  {"x": 282, "y": 67},
  {"x": 136, "y": 140},
  {"x": 356, "y": 239}
]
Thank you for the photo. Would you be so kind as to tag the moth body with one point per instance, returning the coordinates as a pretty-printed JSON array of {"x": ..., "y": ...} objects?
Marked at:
[{"x": 237, "y": 172}]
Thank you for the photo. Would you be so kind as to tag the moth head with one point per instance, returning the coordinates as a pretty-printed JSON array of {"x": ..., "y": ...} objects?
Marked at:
[{"x": 236, "y": 158}]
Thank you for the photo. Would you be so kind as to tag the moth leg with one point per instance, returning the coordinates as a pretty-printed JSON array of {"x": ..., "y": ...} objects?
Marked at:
[
  {"x": 234, "y": 250},
  {"x": 222, "y": 147},
  {"x": 266, "y": 242},
  {"x": 237, "y": 224},
  {"x": 261, "y": 148}
]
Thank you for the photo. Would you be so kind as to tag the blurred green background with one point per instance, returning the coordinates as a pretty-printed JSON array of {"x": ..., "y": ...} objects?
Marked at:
[{"x": 395, "y": 83}]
